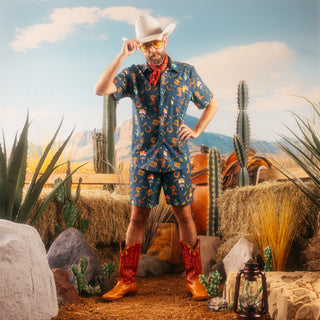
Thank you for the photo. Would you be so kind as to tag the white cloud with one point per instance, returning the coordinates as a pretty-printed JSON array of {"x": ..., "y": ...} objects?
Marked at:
[
  {"x": 267, "y": 68},
  {"x": 126, "y": 14},
  {"x": 63, "y": 22}
]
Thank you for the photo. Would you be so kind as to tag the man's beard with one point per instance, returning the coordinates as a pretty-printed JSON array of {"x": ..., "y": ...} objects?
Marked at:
[{"x": 157, "y": 58}]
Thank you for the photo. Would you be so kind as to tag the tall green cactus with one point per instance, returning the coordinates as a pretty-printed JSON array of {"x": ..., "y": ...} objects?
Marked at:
[
  {"x": 215, "y": 190},
  {"x": 241, "y": 140},
  {"x": 103, "y": 146},
  {"x": 243, "y": 176}
]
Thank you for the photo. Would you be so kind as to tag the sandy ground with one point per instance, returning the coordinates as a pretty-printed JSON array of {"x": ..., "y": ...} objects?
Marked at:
[{"x": 164, "y": 297}]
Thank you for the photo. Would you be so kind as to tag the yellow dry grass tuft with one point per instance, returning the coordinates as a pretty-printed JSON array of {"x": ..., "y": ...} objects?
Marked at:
[{"x": 276, "y": 222}]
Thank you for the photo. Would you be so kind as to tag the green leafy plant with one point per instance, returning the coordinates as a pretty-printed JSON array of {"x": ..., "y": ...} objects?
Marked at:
[
  {"x": 211, "y": 283},
  {"x": 13, "y": 206},
  {"x": 70, "y": 211},
  {"x": 215, "y": 191},
  {"x": 305, "y": 153}
]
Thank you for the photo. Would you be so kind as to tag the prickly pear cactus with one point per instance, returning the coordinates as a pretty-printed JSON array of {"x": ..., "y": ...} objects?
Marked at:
[
  {"x": 70, "y": 212},
  {"x": 215, "y": 190},
  {"x": 211, "y": 283},
  {"x": 80, "y": 275}
]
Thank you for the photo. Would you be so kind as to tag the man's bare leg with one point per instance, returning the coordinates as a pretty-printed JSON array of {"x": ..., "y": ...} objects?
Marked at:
[
  {"x": 191, "y": 251},
  {"x": 187, "y": 227},
  {"x": 139, "y": 217}
]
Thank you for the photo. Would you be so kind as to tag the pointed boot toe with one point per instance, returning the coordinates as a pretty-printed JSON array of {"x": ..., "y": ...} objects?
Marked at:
[{"x": 120, "y": 290}]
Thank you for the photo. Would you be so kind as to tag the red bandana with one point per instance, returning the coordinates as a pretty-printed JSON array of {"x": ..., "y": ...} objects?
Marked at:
[{"x": 156, "y": 71}]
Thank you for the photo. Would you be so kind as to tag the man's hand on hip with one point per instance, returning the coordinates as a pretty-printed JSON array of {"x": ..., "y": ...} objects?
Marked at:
[{"x": 185, "y": 133}]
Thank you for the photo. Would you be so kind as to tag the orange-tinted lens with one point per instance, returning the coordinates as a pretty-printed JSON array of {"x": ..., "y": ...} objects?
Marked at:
[{"x": 156, "y": 44}]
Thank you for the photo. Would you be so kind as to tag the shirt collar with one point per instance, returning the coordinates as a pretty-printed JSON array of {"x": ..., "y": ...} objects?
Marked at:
[{"x": 171, "y": 66}]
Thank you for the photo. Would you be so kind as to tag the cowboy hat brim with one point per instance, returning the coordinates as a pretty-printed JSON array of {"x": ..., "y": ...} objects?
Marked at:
[{"x": 165, "y": 33}]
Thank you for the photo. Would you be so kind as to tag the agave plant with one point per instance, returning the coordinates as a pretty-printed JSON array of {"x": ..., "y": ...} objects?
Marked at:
[
  {"x": 307, "y": 157},
  {"x": 13, "y": 206}
]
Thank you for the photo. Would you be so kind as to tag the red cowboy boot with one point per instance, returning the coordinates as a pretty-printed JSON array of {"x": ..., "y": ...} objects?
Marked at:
[
  {"x": 192, "y": 261},
  {"x": 128, "y": 268}
]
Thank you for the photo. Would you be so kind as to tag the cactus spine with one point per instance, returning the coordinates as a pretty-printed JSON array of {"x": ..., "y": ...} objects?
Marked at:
[
  {"x": 241, "y": 140},
  {"x": 215, "y": 190},
  {"x": 103, "y": 147}
]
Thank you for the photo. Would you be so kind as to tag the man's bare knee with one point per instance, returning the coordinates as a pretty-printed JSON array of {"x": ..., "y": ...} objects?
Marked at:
[{"x": 139, "y": 216}]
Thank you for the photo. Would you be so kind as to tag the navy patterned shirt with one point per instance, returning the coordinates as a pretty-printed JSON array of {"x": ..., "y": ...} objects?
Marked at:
[{"x": 158, "y": 111}]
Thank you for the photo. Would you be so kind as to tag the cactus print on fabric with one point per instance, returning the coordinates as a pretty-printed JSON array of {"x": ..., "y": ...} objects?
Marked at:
[
  {"x": 145, "y": 187},
  {"x": 158, "y": 112}
]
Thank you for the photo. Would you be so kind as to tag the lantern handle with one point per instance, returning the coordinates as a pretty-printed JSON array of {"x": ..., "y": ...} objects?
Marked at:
[{"x": 236, "y": 293}]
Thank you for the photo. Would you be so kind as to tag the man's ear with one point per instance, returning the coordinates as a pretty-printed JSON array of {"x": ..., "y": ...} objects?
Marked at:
[{"x": 165, "y": 41}]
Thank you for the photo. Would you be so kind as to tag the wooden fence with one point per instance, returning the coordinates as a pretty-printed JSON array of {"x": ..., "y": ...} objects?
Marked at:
[
  {"x": 116, "y": 179},
  {"x": 87, "y": 178}
]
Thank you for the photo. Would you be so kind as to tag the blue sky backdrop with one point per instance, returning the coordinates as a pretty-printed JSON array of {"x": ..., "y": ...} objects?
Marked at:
[{"x": 53, "y": 51}]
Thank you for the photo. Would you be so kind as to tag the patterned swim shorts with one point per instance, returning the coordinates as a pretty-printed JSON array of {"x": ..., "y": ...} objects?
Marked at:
[{"x": 145, "y": 187}]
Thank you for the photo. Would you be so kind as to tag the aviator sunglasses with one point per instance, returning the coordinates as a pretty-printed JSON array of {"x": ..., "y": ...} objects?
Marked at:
[{"x": 157, "y": 44}]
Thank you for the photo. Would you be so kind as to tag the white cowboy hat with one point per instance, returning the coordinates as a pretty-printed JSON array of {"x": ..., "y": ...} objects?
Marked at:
[{"x": 148, "y": 29}]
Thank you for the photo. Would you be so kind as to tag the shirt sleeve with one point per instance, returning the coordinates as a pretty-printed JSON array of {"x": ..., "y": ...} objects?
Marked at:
[
  {"x": 123, "y": 84},
  {"x": 201, "y": 95}
]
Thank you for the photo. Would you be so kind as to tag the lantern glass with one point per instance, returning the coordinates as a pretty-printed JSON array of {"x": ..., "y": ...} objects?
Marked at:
[
  {"x": 251, "y": 299},
  {"x": 251, "y": 296}
]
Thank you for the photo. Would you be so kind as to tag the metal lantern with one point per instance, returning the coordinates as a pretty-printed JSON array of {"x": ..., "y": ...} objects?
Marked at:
[{"x": 251, "y": 298}]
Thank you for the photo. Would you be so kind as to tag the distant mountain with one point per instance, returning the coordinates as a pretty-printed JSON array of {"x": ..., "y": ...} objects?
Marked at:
[{"x": 81, "y": 144}]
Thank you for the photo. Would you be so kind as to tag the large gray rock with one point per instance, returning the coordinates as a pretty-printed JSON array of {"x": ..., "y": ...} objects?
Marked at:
[
  {"x": 28, "y": 290},
  {"x": 67, "y": 250},
  {"x": 240, "y": 254}
]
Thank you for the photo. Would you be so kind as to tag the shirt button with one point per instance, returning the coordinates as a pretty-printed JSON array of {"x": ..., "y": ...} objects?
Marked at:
[{"x": 162, "y": 133}]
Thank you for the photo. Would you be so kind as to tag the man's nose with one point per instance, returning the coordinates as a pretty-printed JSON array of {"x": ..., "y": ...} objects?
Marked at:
[{"x": 152, "y": 48}]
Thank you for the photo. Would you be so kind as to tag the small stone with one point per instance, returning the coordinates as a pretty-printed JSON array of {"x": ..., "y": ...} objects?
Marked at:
[{"x": 217, "y": 304}]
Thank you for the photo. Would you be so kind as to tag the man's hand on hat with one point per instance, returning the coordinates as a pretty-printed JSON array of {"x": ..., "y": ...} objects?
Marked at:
[
  {"x": 185, "y": 133},
  {"x": 130, "y": 46}
]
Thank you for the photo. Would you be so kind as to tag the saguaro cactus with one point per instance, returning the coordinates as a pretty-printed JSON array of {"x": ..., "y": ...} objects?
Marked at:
[
  {"x": 103, "y": 146},
  {"x": 215, "y": 190},
  {"x": 241, "y": 140}
]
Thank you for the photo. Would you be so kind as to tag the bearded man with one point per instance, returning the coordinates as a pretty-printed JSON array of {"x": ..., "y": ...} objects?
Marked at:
[{"x": 161, "y": 90}]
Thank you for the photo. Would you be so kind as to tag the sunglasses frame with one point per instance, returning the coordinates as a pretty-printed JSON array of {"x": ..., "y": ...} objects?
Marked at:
[{"x": 149, "y": 44}]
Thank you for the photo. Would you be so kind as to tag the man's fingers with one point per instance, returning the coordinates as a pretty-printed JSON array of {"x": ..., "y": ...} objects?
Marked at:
[{"x": 185, "y": 132}]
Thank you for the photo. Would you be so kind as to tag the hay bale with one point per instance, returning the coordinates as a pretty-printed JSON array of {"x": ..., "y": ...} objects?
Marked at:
[
  {"x": 108, "y": 215},
  {"x": 234, "y": 207}
]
